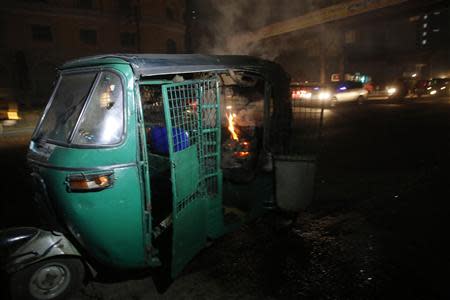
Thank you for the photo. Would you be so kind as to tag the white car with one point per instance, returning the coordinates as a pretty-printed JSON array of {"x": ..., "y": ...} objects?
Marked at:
[{"x": 347, "y": 91}]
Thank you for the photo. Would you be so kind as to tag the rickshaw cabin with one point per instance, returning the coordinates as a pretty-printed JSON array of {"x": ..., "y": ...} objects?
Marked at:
[{"x": 207, "y": 127}]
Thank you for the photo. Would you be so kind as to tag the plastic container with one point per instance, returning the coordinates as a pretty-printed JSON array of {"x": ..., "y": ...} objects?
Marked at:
[
  {"x": 294, "y": 181},
  {"x": 159, "y": 141}
]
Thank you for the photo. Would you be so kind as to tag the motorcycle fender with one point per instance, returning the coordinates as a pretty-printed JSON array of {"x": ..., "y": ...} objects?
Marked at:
[{"x": 20, "y": 247}]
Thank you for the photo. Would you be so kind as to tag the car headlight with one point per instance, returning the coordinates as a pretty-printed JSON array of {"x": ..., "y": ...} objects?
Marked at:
[
  {"x": 324, "y": 96},
  {"x": 306, "y": 95},
  {"x": 433, "y": 92},
  {"x": 391, "y": 91}
]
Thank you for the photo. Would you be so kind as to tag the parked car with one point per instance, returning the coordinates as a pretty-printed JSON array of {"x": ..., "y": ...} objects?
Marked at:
[
  {"x": 347, "y": 91},
  {"x": 439, "y": 87}
]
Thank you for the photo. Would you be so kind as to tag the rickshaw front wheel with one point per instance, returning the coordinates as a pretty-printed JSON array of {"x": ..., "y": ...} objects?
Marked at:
[{"x": 50, "y": 279}]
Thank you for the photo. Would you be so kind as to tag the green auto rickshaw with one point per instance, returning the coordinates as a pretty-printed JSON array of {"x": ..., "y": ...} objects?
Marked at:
[{"x": 138, "y": 161}]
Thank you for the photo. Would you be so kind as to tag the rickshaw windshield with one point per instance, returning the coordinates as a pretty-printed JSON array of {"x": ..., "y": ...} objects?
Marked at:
[{"x": 101, "y": 120}]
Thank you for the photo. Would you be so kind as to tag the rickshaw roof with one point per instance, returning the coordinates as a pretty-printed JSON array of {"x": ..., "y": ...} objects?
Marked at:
[{"x": 145, "y": 65}]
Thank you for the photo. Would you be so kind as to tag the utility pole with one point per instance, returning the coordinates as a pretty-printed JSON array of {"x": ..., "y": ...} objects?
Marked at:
[
  {"x": 189, "y": 18},
  {"x": 137, "y": 20},
  {"x": 323, "y": 62},
  {"x": 342, "y": 64}
]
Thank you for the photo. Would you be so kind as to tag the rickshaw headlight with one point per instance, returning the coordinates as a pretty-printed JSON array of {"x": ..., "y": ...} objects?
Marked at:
[{"x": 93, "y": 182}]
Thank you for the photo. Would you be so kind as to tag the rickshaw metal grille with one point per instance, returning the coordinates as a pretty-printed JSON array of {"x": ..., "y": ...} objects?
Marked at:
[
  {"x": 192, "y": 115},
  {"x": 195, "y": 119},
  {"x": 182, "y": 205}
]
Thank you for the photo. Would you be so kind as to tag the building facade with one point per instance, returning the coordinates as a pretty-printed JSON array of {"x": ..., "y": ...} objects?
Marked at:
[
  {"x": 38, "y": 35},
  {"x": 317, "y": 39},
  {"x": 385, "y": 44}
]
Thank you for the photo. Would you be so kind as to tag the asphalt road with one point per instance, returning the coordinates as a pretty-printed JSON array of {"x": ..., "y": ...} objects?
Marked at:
[{"x": 377, "y": 228}]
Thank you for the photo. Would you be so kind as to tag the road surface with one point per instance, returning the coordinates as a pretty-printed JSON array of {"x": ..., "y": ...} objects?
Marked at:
[{"x": 377, "y": 228}]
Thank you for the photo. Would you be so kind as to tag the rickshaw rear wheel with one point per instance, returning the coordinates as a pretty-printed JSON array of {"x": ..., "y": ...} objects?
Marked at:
[{"x": 51, "y": 279}]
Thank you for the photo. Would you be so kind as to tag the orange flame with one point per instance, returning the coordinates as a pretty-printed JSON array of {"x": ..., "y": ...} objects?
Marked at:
[
  {"x": 230, "y": 118},
  {"x": 241, "y": 154}
]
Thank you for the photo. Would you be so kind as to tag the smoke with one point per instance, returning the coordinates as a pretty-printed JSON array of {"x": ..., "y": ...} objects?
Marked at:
[{"x": 233, "y": 23}]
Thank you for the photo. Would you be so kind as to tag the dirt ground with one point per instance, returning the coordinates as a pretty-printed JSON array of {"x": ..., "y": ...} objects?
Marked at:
[{"x": 376, "y": 229}]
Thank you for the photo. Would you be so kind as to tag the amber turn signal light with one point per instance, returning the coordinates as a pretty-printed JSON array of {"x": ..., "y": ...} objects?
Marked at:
[{"x": 92, "y": 182}]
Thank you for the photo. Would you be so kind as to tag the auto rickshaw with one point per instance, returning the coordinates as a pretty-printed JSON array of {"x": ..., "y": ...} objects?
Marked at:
[{"x": 138, "y": 161}]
